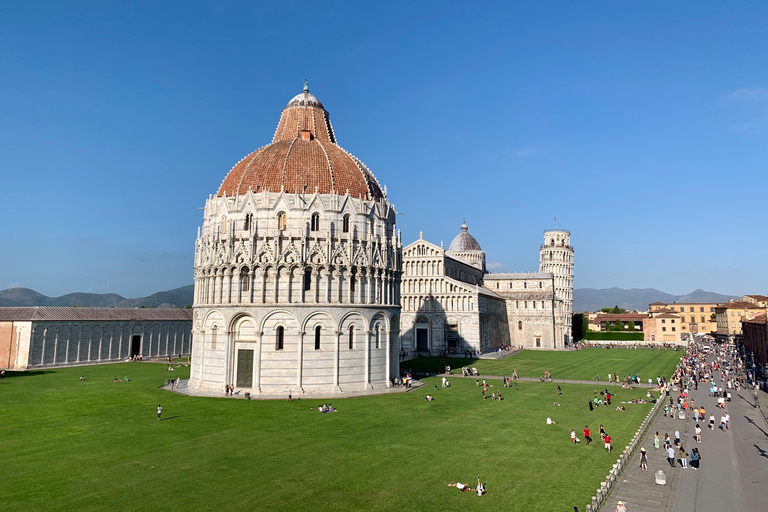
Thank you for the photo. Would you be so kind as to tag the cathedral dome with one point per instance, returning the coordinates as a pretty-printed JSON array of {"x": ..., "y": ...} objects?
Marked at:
[
  {"x": 302, "y": 158},
  {"x": 464, "y": 241}
]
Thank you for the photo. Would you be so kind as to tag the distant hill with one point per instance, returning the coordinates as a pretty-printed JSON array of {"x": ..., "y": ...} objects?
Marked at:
[
  {"x": 167, "y": 299},
  {"x": 591, "y": 299}
]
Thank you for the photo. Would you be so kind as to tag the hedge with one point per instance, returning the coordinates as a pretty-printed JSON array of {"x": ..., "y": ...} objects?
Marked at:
[{"x": 613, "y": 336}]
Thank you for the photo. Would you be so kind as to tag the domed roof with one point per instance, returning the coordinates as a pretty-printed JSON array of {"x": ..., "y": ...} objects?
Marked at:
[
  {"x": 302, "y": 158},
  {"x": 464, "y": 241}
]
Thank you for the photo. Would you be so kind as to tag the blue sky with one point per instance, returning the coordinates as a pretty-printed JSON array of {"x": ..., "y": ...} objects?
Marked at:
[{"x": 643, "y": 127}]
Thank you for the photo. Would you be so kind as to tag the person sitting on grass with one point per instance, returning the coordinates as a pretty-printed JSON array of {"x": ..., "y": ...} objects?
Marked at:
[
  {"x": 428, "y": 398},
  {"x": 550, "y": 421},
  {"x": 460, "y": 486},
  {"x": 480, "y": 487}
]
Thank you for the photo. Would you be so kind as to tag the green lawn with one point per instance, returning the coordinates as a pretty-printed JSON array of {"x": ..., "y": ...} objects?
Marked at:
[
  {"x": 578, "y": 365},
  {"x": 97, "y": 445}
]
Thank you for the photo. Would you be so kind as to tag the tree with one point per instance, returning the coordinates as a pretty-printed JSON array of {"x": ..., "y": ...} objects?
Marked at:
[
  {"x": 617, "y": 310},
  {"x": 187, "y": 306},
  {"x": 619, "y": 326},
  {"x": 631, "y": 326}
]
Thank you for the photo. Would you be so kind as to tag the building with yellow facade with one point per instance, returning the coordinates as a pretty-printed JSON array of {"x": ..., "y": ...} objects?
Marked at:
[{"x": 695, "y": 317}]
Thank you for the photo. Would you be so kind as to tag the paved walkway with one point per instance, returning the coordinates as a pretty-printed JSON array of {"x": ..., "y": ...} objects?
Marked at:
[
  {"x": 734, "y": 465},
  {"x": 600, "y": 384}
]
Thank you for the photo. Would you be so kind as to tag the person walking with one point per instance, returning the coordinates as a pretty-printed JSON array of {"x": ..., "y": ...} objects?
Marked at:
[
  {"x": 677, "y": 437},
  {"x": 656, "y": 441},
  {"x": 586, "y": 434},
  {"x": 683, "y": 457},
  {"x": 643, "y": 460},
  {"x": 607, "y": 441},
  {"x": 698, "y": 433},
  {"x": 695, "y": 458},
  {"x": 671, "y": 456},
  {"x": 159, "y": 411}
]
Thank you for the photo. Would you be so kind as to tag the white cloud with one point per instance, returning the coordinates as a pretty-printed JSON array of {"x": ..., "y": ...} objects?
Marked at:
[
  {"x": 495, "y": 266},
  {"x": 746, "y": 109}
]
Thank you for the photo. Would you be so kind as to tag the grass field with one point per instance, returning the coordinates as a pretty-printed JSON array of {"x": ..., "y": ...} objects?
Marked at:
[
  {"x": 579, "y": 365},
  {"x": 97, "y": 445}
]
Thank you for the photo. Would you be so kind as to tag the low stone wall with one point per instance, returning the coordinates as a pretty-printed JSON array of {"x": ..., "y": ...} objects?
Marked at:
[{"x": 626, "y": 456}]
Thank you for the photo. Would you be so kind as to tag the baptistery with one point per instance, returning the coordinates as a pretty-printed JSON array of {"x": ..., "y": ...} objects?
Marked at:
[{"x": 297, "y": 269}]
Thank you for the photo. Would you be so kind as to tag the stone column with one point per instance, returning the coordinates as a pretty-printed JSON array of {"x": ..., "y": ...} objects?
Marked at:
[
  {"x": 257, "y": 362},
  {"x": 360, "y": 286},
  {"x": 336, "y": 363},
  {"x": 367, "y": 381},
  {"x": 329, "y": 295},
  {"x": 346, "y": 295},
  {"x": 371, "y": 286},
  {"x": 389, "y": 359},
  {"x": 251, "y": 283},
  {"x": 236, "y": 287},
  {"x": 314, "y": 287},
  {"x": 300, "y": 362},
  {"x": 227, "y": 287}
]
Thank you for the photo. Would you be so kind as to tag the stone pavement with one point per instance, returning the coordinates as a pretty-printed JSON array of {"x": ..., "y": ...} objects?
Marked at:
[
  {"x": 637, "y": 488},
  {"x": 734, "y": 465}
]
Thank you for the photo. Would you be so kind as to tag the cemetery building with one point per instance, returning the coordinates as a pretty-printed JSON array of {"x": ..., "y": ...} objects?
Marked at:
[
  {"x": 43, "y": 337},
  {"x": 297, "y": 269}
]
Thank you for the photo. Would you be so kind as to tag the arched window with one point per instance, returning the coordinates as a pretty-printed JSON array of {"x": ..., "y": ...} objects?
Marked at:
[
  {"x": 345, "y": 224},
  {"x": 352, "y": 281},
  {"x": 351, "y": 337},
  {"x": 520, "y": 325},
  {"x": 307, "y": 280},
  {"x": 280, "y": 338},
  {"x": 315, "y": 224},
  {"x": 214, "y": 335},
  {"x": 245, "y": 280},
  {"x": 281, "y": 221},
  {"x": 248, "y": 222},
  {"x": 317, "y": 338}
]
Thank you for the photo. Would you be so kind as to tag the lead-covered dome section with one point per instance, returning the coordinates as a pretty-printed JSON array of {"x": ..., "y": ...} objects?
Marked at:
[
  {"x": 464, "y": 241},
  {"x": 302, "y": 158}
]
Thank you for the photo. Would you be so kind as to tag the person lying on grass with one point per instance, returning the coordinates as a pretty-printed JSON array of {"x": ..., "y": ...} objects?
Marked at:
[{"x": 460, "y": 486}]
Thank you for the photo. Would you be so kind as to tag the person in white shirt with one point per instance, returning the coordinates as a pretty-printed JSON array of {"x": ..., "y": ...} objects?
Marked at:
[{"x": 550, "y": 421}]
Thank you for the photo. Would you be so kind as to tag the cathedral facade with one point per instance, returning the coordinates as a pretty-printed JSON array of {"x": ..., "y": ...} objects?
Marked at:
[
  {"x": 451, "y": 303},
  {"x": 297, "y": 269}
]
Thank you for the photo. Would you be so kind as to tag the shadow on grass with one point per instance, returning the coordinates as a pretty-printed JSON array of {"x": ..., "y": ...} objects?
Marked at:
[
  {"x": 171, "y": 417},
  {"x": 32, "y": 373}
]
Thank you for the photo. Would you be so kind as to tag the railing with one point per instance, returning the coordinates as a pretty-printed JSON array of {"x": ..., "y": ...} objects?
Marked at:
[{"x": 605, "y": 487}]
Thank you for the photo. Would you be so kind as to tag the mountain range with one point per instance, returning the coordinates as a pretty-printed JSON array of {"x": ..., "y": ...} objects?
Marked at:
[
  {"x": 584, "y": 299},
  {"x": 179, "y": 297},
  {"x": 591, "y": 299}
]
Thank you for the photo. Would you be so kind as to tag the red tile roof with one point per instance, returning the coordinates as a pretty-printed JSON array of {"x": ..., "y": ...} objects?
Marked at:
[
  {"x": 302, "y": 157},
  {"x": 55, "y": 313}
]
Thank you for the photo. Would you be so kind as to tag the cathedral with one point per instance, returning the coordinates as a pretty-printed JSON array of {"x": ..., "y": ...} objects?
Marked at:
[
  {"x": 297, "y": 269},
  {"x": 300, "y": 275},
  {"x": 452, "y": 304}
]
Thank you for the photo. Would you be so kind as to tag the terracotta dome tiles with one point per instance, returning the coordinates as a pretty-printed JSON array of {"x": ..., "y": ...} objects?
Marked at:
[{"x": 302, "y": 157}]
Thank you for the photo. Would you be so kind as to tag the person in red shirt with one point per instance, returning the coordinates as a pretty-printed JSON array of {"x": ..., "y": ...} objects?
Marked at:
[
  {"x": 607, "y": 441},
  {"x": 608, "y": 398},
  {"x": 586, "y": 434}
]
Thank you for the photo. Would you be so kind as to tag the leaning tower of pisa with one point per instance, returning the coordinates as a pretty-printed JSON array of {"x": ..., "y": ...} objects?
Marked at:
[{"x": 556, "y": 257}]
